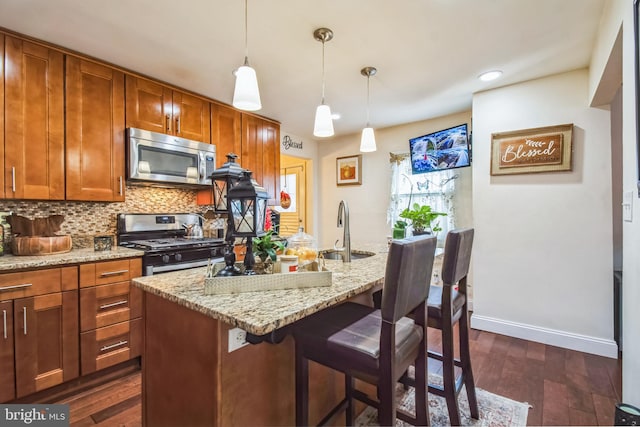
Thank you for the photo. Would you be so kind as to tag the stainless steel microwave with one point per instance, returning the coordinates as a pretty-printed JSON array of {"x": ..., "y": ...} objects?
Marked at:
[{"x": 168, "y": 161}]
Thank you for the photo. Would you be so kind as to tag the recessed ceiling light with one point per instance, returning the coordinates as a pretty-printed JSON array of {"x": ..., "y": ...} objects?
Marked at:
[
  {"x": 490, "y": 75},
  {"x": 335, "y": 116}
]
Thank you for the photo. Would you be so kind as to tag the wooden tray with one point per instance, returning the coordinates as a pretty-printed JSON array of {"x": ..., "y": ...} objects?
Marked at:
[
  {"x": 36, "y": 245},
  {"x": 265, "y": 282}
]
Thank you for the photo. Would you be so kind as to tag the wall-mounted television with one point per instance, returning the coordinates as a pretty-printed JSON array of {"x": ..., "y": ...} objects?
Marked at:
[{"x": 441, "y": 150}]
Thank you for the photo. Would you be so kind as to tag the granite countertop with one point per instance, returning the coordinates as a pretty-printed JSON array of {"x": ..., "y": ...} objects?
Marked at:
[
  {"x": 263, "y": 312},
  {"x": 75, "y": 256}
]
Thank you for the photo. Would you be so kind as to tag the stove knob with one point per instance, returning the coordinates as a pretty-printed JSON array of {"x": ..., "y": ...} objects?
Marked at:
[
  {"x": 165, "y": 258},
  {"x": 178, "y": 257},
  {"x": 214, "y": 252}
]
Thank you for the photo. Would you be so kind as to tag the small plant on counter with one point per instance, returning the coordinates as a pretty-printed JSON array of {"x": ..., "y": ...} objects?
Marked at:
[
  {"x": 267, "y": 248},
  {"x": 399, "y": 229},
  {"x": 422, "y": 218}
]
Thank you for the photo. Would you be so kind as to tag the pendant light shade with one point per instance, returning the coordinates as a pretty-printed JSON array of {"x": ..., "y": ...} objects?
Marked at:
[
  {"x": 246, "y": 95},
  {"x": 323, "y": 125},
  {"x": 368, "y": 140}
]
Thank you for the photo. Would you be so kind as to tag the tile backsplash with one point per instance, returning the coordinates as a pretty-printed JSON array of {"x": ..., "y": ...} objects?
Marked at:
[{"x": 83, "y": 220}]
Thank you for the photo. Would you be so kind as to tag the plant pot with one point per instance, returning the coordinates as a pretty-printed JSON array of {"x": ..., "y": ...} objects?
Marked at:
[{"x": 399, "y": 233}]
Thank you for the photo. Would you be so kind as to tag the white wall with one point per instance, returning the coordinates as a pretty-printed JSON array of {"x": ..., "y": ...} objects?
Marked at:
[
  {"x": 304, "y": 149},
  {"x": 368, "y": 202},
  {"x": 543, "y": 246},
  {"x": 619, "y": 14}
]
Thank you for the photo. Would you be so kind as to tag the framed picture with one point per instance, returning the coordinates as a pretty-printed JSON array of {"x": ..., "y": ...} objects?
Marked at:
[
  {"x": 636, "y": 35},
  {"x": 546, "y": 149},
  {"x": 349, "y": 170}
]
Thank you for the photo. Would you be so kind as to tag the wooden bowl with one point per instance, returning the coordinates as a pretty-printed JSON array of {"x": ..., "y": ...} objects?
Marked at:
[{"x": 36, "y": 245}]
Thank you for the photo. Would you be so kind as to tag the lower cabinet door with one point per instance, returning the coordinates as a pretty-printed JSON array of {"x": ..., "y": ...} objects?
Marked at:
[
  {"x": 7, "y": 375},
  {"x": 46, "y": 341},
  {"x": 110, "y": 345}
]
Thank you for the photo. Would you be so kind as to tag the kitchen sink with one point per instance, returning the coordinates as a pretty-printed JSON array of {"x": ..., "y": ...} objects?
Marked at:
[{"x": 333, "y": 254}]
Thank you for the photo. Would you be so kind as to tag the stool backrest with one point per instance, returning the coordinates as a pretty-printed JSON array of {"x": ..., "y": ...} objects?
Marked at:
[
  {"x": 457, "y": 255},
  {"x": 407, "y": 276}
]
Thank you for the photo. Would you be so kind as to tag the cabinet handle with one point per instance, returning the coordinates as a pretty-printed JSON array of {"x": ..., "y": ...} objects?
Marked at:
[
  {"x": 120, "y": 185},
  {"x": 109, "y": 347},
  {"x": 4, "y": 321},
  {"x": 13, "y": 178},
  {"x": 113, "y": 273},
  {"x": 178, "y": 126},
  {"x": 168, "y": 122},
  {"x": 8, "y": 288},
  {"x": 113, "y": 304},
  {"x": 24, "y": 315}
]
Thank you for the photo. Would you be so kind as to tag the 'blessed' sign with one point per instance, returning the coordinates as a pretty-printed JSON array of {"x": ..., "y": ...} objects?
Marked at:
[
  {"x": 546, "y": 149},
  {"x": 535, "y": 150}
]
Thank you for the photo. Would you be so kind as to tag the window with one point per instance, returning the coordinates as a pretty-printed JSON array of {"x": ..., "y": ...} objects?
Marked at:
[{"x": 436, "y": 189}]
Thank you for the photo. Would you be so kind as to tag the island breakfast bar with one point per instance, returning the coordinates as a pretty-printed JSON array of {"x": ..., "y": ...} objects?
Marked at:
[{"x": 190, "y": 378}]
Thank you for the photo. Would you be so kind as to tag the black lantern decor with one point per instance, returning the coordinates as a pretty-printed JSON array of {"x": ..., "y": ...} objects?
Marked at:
[
  {"x": 223, "y": 178},
  {"x": 247, "y": 209}
]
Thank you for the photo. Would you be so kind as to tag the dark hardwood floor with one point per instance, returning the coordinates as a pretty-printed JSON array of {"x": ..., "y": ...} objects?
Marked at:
[{"x": 563, "y": 387}]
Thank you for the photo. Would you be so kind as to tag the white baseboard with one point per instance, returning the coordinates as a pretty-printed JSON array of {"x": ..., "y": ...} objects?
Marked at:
[{"x": 584, "y": 343}]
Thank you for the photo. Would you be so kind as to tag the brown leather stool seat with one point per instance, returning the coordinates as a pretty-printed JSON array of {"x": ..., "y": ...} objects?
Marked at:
[
  {"x": 373, "y": 345},
  {"x": 434, "y": 306}
]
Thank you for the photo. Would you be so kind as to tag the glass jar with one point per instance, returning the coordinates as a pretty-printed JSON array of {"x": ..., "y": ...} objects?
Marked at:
[{"x": 303, "y": 246}]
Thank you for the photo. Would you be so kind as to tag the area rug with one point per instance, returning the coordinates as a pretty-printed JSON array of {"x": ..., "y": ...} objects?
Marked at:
[{"x": 495, "y": 410}]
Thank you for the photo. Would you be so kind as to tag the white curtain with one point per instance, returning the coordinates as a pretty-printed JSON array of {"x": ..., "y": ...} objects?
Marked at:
[{"x": 435, "y": 189}]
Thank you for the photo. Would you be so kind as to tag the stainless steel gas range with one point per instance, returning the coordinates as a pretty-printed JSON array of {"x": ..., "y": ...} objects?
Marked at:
[{"x": 163, "y": 239}]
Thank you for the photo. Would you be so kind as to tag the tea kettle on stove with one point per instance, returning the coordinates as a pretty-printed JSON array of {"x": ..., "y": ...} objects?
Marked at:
[{"x": 194, "y": 230}]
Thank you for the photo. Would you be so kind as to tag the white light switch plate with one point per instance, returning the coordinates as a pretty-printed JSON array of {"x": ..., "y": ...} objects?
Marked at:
[{"x": 627, "y": 206}]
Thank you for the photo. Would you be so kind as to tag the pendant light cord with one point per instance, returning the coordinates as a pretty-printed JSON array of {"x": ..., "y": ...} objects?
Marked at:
[
  {"x": 246, "y": 37},
  {"x": 368, "y": 78},
  {"x": 323, "y": 71}
]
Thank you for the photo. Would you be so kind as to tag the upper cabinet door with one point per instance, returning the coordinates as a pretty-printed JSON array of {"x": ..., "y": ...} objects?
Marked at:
[
  {"x": 251, "y": 157},
  {"x": 34, "y": 121},
  {"x": 95, "y": 131},
  {"x": 226, "y": 132},
  {"x": 191, "y": 117},
  {"x": 149, "y": 105},
  {"x": 271, "y": 160}
]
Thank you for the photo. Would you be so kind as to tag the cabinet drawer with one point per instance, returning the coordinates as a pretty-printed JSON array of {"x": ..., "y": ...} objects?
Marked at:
[
  {"x": 108, "y": 346},
  {"x": 39, "y": 282},
  {"x": 106, "y": 305},
  {"x": 102, "y": 273}
]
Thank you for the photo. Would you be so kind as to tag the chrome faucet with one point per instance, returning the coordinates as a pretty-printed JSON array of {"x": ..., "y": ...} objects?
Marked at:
[{"x": 343, "y": 221}]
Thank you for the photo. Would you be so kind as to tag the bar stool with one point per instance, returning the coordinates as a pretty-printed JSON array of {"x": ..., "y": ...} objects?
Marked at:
[
  {"x": 373, "y": 345},
  {"x": 447, "y": 306}
]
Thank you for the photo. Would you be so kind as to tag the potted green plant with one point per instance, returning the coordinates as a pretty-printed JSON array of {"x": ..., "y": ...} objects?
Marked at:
[
  {"x": 266, "y": 248},
  {"x": 422, "y": 219},
  {"x": 400, "y": 229}
]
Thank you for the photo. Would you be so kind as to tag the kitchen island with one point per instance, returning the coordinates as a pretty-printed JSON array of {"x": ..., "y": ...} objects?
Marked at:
[{"x": 189, "y": 376}]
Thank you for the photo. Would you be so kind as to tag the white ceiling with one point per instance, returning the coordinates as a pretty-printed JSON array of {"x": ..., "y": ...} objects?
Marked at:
[{"x": 428, "y": 52}]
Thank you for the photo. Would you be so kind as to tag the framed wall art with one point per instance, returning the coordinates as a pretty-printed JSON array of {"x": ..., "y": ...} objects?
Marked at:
[
  {"x": 349, "y": 170},
  {"x": 546, "y": 149}
]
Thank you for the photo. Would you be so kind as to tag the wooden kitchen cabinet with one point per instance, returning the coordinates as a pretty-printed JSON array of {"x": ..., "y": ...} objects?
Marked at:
[
  {"x": 110, "y": 314},
  {"x": 7, "y": 367},
  {"x": 33, "y": 121},
  {"x": 226, "y": 131},
  {"x": 261, "y": 152},
  {"x": 95, "y": 132},
  {"x": 158, "y": 108},
  {"x": 42, "y": 333}
]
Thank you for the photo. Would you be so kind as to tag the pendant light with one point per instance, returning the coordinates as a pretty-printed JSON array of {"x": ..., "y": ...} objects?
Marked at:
[
  {"x": 323, "y": 125},
  {"x": 246, "y": 95},
  {"x": 368, "y": 141}
]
